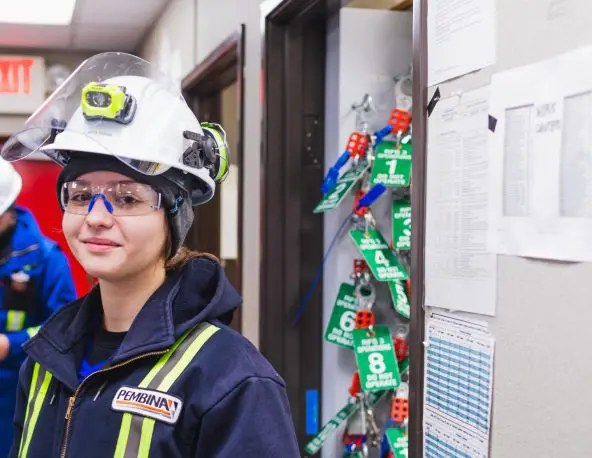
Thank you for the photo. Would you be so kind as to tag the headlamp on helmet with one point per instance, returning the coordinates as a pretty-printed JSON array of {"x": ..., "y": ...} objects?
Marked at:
[
  {"x": 210, "y": 151},
  {"x": 108, "y": 101}
]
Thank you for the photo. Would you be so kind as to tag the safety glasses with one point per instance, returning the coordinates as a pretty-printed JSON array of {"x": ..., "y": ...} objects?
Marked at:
[{"x": 122, "y": 198}]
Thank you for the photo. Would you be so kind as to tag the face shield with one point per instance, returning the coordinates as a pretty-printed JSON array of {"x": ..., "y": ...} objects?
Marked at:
[{"x": 119, "y": 105}]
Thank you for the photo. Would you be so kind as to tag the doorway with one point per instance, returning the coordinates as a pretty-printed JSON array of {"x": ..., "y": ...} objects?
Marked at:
[{"x": 214, "y": 92}]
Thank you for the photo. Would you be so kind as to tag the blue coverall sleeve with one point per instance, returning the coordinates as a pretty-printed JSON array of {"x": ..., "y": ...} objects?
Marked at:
[
  {"x": 56, "y": 290},
  {"x": 252, "y": 421}
]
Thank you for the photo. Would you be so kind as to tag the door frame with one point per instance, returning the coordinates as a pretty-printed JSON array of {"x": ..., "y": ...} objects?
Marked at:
[
  {"x": 283, "y": 284},
  {"x": 222, "y": 67},
  {"x": 293, "y": 168}
]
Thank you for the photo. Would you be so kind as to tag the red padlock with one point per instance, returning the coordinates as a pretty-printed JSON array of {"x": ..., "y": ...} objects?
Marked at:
[
  {"x": 399, "y": 121},
  {"x": 357, "y": 145},
  {"x": 364, "y": 319},
  {"x": 356, "y": 386},
  {"x": 360, "y": 266},
  {"x": 400, "y": 405},
  {"x": 362, "y": 210},
  {"x": 401, "y": 345}
]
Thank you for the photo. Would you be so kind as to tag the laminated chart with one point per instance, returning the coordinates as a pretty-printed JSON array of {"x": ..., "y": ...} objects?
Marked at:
[{"x": 458, "y": 387}]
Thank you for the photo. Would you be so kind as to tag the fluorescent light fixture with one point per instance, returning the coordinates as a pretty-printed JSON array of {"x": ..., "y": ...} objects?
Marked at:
[{"x": 38, "y": 12}]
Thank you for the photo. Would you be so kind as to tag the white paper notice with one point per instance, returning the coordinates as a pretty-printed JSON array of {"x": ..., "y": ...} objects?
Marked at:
[
  {"x": 461, "y": 37},
  {"x": 541, "y": 159},
  {"x": 458, "y": 387},
  {"x": 460, "y": 272}
]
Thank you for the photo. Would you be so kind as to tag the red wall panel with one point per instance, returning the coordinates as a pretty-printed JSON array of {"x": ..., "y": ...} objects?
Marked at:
[{"x": 39, "y": 196}]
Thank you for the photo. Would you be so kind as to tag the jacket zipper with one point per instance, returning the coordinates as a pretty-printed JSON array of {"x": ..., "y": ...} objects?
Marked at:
[{"x": 72, "y": 399}]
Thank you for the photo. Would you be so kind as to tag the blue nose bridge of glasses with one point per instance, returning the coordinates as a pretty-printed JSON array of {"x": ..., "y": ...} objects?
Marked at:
[{"x": 106, "y": 202}]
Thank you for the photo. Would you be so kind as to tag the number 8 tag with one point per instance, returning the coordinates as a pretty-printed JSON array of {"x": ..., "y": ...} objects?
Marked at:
[{"x": 376, "y": 359}]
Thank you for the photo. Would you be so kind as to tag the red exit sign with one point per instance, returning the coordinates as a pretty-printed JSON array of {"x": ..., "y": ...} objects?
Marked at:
[
  {"x": 15, "y": 75},
  {"x": 22, "y": 84}
]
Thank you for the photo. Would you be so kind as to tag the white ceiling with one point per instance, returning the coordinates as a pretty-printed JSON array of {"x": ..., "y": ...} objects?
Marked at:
[{"x": 97, "y": 25}]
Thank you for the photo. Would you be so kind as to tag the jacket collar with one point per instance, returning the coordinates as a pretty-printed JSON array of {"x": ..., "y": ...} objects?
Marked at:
[
  {"x": 196, "y": 293},
  {"x": 60, "y": 343}
]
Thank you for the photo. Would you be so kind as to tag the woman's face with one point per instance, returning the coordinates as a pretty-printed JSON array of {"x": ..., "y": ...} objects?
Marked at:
[{"x": 111, "y": 247}]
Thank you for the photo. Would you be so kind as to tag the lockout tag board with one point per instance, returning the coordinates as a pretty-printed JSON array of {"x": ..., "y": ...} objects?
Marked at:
[
  {"x": 392, "y": 165},
  {"x": 340, "y": 417},
  {"x": 376, "y": 359},
  {"x": 343, "y": 318},
  {"x": 342, "y": 188},
  {"x": 400, "y": 299},
  {"x": 399, "y": 442},
  {"x": 402, "y": 224},
  {"x": 382, "y": 261}
]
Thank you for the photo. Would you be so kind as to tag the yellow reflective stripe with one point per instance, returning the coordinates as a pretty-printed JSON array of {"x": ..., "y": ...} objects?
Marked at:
[
  {"x": 187, "y": 357},
  {"x": 126, "y": 422},
  {"x": 35, "y": 413},
  {"x": 33, "y": 331},
  {"x": 123, "y": 435},
  {"x": 146, "y": 439},
  {"x": 31, "y": 394},
  {"x": 15, "y": 320},
  {"x": 171, "y": 377}
]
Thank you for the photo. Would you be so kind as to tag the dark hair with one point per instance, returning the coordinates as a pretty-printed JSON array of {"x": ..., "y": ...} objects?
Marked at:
[{"x": 182, "y": 257}]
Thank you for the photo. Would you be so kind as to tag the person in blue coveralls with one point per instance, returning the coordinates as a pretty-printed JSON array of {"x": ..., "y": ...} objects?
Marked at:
[
  {"x": 35, "y": 281},
  {"x": 145, "y": 365}
]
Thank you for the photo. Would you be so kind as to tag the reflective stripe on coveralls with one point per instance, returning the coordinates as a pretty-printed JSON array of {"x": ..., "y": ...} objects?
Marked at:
[
  {"x": 15, "y": 320},
  {"x": 37, "y": 393},
  {"x": 135, "y": 435}
]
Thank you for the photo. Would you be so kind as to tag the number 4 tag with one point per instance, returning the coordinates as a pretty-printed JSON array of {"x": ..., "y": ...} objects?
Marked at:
[{"x": 382, "y": 261}]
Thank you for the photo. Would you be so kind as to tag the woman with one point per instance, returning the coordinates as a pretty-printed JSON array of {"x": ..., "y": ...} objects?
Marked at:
[{"x": 144, "y": 365}]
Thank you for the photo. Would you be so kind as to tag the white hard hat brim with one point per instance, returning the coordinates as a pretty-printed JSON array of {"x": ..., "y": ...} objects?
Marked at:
[{"x": 7, "y": 200}]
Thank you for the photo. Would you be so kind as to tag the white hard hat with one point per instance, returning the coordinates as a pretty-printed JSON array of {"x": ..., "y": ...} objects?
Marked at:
[
  {"x": 116, "y": 104},
  {"x": 10, "y": 185}
]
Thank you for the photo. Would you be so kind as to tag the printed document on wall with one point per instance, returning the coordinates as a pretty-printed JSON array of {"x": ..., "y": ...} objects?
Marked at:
[
  {"x": 541, "y": 158},
  {"x": 461, "y": 37},
  {"x": 460, "y": 272},
  {"x": 458, "y": 387}
]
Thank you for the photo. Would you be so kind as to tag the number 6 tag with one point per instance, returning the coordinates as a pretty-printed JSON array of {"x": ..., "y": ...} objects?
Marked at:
[
  {"x": 343, "y": 318},
  {"x": 376, "y": 359}
]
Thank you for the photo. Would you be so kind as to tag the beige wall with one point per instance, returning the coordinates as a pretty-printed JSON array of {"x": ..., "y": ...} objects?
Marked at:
[
  {"x": 189, "y": 30},
  {"x": 172, "y": 43}
]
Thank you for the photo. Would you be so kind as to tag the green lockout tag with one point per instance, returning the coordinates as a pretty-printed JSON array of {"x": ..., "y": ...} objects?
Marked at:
[
  {"x": 382, "y": 261},
  {"x": 399, "y": 442},
  {"x": 344, "y": 184},
  {"x": 392, "y": 166},
  {"x": 400, "y": 298},
  {"x": 404, "y": 366},
  {"x": 402, "y": 224},
  {"x": 343, "y": 318},
  {"x": 376, "y": 359},
  {"x": 340, "y": 417}
]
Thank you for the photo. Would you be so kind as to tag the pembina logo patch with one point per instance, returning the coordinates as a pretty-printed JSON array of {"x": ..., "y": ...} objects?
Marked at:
[{"x": 148, "y": 403}]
